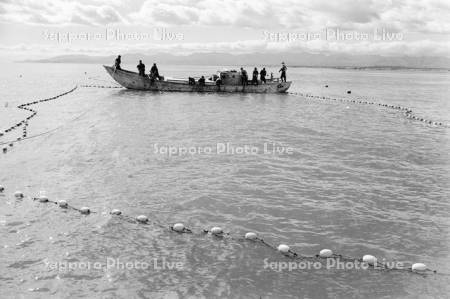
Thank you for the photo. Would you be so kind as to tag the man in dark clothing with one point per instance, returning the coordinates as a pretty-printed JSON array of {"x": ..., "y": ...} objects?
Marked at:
[
  {"x": 154, "y": 73},
  {"x": 117, "y": 63},
  {"x": 283, "y": 72},
  {"x": 141, "y": 68},
  {"x": 244, "y": 77},
  {"x": 255, "y": 77},
  {"x": 201, "y": 81},
  {"x": 263, "y": 74}
]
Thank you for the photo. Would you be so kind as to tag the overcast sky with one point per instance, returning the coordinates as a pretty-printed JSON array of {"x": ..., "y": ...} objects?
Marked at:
[{"x": 30, "y": 28}]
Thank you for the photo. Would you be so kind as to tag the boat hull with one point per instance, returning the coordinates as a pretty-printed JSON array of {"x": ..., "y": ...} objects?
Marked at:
[{"x": 132, "y": 80}]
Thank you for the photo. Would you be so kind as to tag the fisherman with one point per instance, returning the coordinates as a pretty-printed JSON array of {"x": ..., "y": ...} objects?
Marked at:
[
  {"x": 263, "y": 74},
  {"x": 201, "y": 81},
  {"x": 255, "y": 77},
  {"x": 117, "y": 63},
  {"x": 283, "y": 72},
  {"x": 244, "y": 77},
  {"x": 154, "y": 73},
  {"x": 141, "y": 68}
]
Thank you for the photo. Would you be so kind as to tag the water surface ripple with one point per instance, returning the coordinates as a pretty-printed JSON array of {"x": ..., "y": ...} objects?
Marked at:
[{"x": 361, "y": 179}]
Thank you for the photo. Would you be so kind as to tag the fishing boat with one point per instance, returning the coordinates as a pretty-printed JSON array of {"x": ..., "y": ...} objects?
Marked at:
[{"x": 230, "y": 81}]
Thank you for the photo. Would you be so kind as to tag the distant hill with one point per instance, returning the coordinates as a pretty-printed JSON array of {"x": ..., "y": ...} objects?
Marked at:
[{"x": 257, "y": 59}]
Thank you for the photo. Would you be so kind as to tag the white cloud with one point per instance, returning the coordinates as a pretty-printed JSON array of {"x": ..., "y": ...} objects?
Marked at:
[
  {"x": 421, "y": 17},
  {"x": 402, "y": 15},
  {"x": 58, "y": 12}
]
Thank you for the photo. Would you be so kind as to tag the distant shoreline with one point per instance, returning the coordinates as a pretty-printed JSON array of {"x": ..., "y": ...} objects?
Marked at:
[
  {"x": 376, "y": 68},
  {"x": 373, "y": 67},
  {"x": 292, "y": 59}
]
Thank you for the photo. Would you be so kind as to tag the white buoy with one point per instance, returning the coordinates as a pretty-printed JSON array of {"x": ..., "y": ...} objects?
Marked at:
[
  {"x": 63, "y": 204},
  {"x": 216, "y": 230},
  {"x": 250, "y": 236},
  {"x": 283, "y": 248},
  {"x": 142, "y": 218},
  {"x": 116, "y": 212},
  {"x": 419, "y": 267},
  {"x": 85, "y": 210},
  {"x": 325, "y": 253},
  {"x": 178, "y": 227},
  {"x": 18, "y": 194},
  {"x": 43, "y": 198},
  {"x": 370, "y": 259}
]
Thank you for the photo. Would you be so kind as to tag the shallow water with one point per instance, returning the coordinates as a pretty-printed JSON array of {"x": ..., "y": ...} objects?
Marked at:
[{"x": 361, "y": 180}]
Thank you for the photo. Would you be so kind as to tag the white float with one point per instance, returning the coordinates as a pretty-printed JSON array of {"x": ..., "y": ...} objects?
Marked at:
[
  {"x": 283, "y": 248},
  {"x": 216, "y": 230},
  {"x": 326, "y": 253},
  {"x": 370, "y": 259},
  {"x": 63, "y": 204},
  {"x": 250, "y": 236},
  {"x": 43, "y": 198},
  {"x": 142, "y": 218},
  {"x": 419, "y": 267},
  {"x": 178, "y": 227},
  {"x": 85, "y": 210},
  {"x": 116, "y": 212},
  {"x": 18, "y": 194}
]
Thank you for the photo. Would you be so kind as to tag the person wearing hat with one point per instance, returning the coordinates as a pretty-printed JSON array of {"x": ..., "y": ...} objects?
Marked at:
[{"x": 283, "y": 72}]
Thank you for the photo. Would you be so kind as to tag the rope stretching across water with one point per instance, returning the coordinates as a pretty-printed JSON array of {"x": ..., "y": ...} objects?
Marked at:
[
  {"x": 25, "y": 122},
  {"x": 219, "y": 234},
  {"x": 407, "y": 111},
  {"x": 215, "y": 231}
]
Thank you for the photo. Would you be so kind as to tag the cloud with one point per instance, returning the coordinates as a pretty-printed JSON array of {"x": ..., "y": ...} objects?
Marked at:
[
  {"x": 58, "y": 12},
  {"x": 357, "y": 11},
  {"x": 401, "y": 15},
  {"x": 208, "y": 19},
  {"x": 165, "y": 14}
]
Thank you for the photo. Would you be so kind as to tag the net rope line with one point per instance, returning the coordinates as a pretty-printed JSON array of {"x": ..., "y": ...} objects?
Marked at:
[
  {"x": 96, "y": 78},
  {"x": 100, "y": 86},
  {"x": 48, "y": 131},
  {"x": 116, "y": 85},
  {"x": 25, "y": 122},
  {"x": 218, "y": 233},
  {"x": 408, "y": 112},
  {"x": 285, "y": 250}
]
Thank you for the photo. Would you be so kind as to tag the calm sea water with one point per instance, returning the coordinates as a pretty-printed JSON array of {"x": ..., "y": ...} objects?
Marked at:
[{"x": 360, "y": 180}]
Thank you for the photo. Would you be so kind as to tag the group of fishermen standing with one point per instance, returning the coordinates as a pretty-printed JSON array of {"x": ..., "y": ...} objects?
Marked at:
[
  {"x": 154, "y": 73},
  {"x": 262, "y": 75}
]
